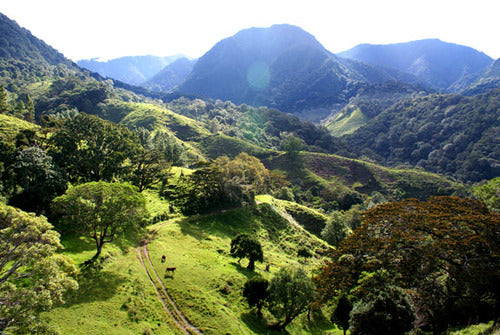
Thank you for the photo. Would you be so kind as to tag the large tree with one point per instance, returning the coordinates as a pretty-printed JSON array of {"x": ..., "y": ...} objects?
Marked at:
[
  {"x": 245, "y": 246},
  {"x": 444, "y": 252},
  {"x": 291, "y": 291},
  {"x": 92, "y": 149},
  {"x": 100, "y": 210},
  {"x": 40, "y": 180},
  {"x": 32, "y": 277}
]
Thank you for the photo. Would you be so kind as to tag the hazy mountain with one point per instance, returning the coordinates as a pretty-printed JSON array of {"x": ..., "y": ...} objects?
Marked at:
[
  {"x": 171, "y": 75},
  {"x": 281, "y": 66},
  {"x": 489, "y": 80},
  {"x": 132, "y": 70},
  {"x": 442, "y": 65}
]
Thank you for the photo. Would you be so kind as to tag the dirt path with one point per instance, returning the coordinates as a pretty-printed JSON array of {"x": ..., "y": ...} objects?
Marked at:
[{"x": 168, "y": 303}]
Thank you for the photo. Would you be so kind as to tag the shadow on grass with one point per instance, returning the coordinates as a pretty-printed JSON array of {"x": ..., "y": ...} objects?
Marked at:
[
  {"x": 259, "y": 325},
  {"x": 244, "y": 271},
  {"x": 77, "y": 244},
  {"x": 95, "y": 287}
]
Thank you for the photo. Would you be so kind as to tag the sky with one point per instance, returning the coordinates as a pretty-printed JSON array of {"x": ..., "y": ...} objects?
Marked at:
[{"x": 107, "y": 29}]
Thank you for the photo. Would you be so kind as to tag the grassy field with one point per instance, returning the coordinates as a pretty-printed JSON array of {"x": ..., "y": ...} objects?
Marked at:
[{"x": 207, "y": 285}]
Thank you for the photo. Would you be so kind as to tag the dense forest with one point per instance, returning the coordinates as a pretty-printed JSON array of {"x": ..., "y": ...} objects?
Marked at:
[{"x": 134, "y": 212}]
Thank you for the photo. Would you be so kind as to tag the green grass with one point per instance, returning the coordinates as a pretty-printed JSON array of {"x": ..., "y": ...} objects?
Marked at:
[
  {"x": 10, "y": 126},
  {"x": 208, "y": 283},
  {"x": 347, "y": 121}
]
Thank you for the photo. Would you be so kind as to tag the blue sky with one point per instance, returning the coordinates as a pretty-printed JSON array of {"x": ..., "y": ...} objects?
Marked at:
[{"x": 115, "y": 28}]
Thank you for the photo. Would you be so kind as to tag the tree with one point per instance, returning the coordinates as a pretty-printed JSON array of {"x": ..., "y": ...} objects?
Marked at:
[
  {"x": 149, "y": 168},
  {"x": 291, "y": 291},
  {"x": 32, "y": 276},
  {"x": 92, "y": 149},
  {"x": 103, "y": 211},
  {"x": 40, "y": 179},
  {"x": 387, "y": 312},
  {"x": 30, "y": 109},
  {"x": 245, "y": 246},
  {"x": 4, "y": 103},
  {"x": 293, "y": 145},
  {"x": 342, "y": 312},
  {"x": 336, "y": 228},
  {"x": 255, "y": 291},
  {"x": 444, "y": 251}
]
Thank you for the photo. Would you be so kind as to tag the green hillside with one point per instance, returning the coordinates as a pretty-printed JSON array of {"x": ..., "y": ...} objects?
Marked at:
[{"x": 207, "y": 284}]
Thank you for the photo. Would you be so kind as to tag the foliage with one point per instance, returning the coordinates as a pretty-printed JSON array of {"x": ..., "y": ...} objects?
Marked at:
[
  {"x": 444, "y": 251},
  {"x": 336, "y": 228},
  {"x": 91, "y": 149},
  {"x": 245, "y": 246},
  {"x": 32, "y": 277},
  {"x": 100, "y": 210},
  {"x": 255, "y": 291},
  {"x": 149, "y": 168},
  {"x": 40, "y": 179},
  {"x": 291, "y": 291},
  {"x": 387, "y": 312},
  {"x": 489, "y": 192}
]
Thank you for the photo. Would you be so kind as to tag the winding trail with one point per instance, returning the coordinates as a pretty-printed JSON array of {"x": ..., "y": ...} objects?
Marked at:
[{"x": 168, "y": 303}]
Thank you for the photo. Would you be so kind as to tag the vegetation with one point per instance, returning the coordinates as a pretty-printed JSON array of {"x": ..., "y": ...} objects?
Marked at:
[
  {"x": 102, "y": 211},
  {"x": 33, "y": 278},
  {"x": 441, "y": 251},
  {"x": 244, "y": 246}
]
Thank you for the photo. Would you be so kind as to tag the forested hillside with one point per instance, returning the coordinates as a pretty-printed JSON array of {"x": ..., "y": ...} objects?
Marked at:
[{"x": 448, "y": 134}]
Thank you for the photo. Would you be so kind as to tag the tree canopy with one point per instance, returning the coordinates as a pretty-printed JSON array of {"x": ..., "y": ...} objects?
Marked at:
[
  {"x": 92, "y": 149},
  {"x": 444, "y": 251},
  {"x": 100, "y": 210},
  {"x": 33, "y": 278},
  {"x": 245, "y": 246}
]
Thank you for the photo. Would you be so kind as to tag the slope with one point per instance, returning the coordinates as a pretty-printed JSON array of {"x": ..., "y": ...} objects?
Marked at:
[{"x": 170, "y": 76}]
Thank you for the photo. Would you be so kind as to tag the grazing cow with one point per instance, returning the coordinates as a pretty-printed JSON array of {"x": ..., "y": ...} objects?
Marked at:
[
  {"x": 170, "y": 270},
  {"x": 163, "y": 258}
]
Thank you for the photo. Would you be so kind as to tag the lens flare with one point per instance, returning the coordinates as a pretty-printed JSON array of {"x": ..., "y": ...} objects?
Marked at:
[{"x": 258, "y": 75}]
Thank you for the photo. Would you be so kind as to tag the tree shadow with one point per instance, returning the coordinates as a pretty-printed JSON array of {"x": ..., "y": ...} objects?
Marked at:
[
  {"x": 244, "y": 271},
  {"x": 258, "y": 324},
  {"x": 77, "y": 244},
  {"x": 95, "y": 287}
]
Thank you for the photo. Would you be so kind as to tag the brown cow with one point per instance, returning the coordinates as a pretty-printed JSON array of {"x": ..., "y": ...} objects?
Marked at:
[{"x": 170, "y": 270}]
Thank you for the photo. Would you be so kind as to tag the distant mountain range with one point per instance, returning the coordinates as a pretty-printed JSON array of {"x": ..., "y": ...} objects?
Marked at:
[
  {"x": 441, "y": 65},
  {"x": 133, "y": 70}
]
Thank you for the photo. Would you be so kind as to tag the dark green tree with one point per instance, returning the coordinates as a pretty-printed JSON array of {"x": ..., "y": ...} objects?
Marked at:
[
  {"x": 103, "y": 211},
  {"x": 92, "y": 149},
  {"x": 245, "y": 246},
  {"x": 342, "y": 312},
  {"x": 255, "y": 291},
  {"x": 30, "y": 109},
  {"x": 387, "y": 312},
  {"x": 291, "y": 292},
  {"x": 40, "y": 180}
]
